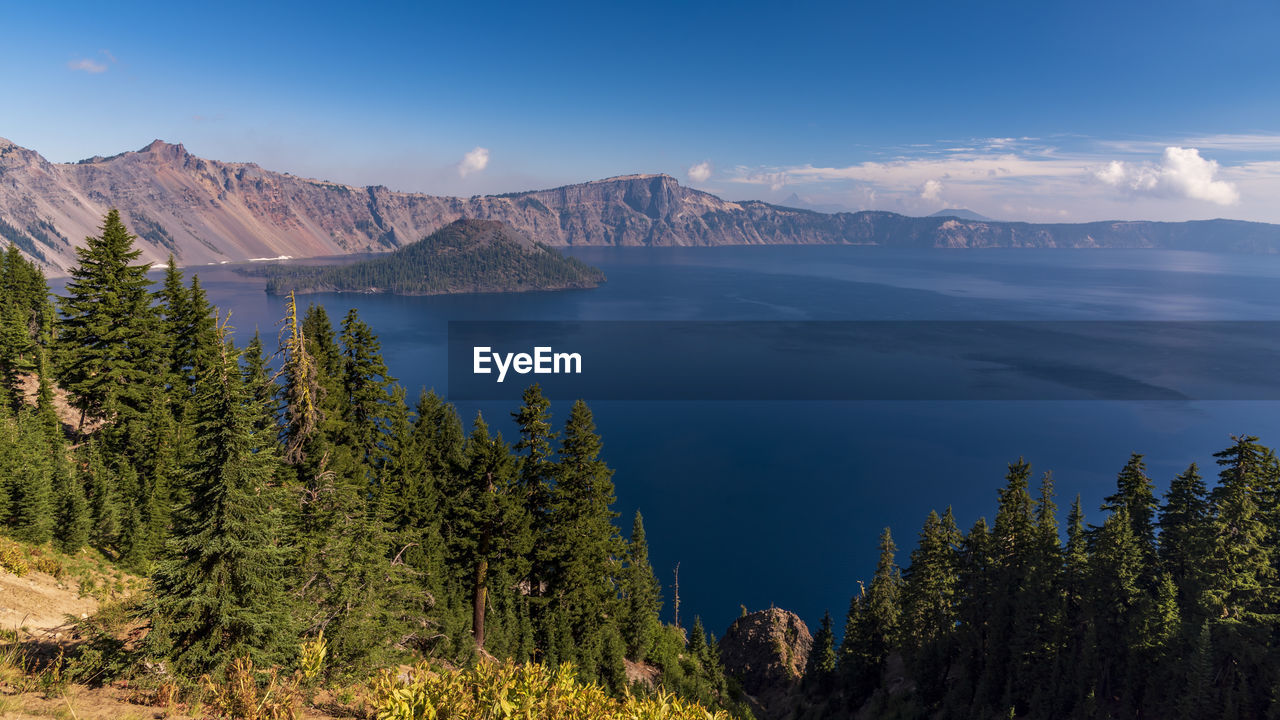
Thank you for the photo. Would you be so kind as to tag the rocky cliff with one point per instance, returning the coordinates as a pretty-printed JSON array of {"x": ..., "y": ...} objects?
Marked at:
[
  {"x": 766, "y": 652},
  {"x": 206, "y": 211}
]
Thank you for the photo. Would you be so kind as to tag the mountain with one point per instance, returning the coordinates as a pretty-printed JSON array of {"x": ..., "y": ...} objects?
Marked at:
[
  {"x": 961, "y": 214},
  {"x": 463, "y": 256},
  {"x": 207, "y": 211}
]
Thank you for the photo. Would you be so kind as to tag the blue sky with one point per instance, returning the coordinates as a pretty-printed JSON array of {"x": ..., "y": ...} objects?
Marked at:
[{"x": 1086, "y": 111}]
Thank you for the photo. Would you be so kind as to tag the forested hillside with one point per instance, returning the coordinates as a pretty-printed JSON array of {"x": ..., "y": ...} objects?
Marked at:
[
  {"x": 1159, "y": 610},
  {"x": 286, "y": 500}
]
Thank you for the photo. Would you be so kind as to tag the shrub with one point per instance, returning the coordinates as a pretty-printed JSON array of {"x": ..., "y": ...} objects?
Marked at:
[
  {"x": 505, "y": 691},
  {"x": 12, "y": 558},
  {"x": 246, "y": 696}
]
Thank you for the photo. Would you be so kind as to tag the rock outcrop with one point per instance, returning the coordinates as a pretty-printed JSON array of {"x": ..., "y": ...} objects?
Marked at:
[
  {"x": 206, "y": 211},
  {"x": 766, "y": 652}
]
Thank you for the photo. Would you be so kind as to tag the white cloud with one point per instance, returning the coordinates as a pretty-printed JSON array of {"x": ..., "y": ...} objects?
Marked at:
[
  {"x": 1181, "y": 172},
  {"x": 700, "y": 172},
  {"x": 911, "y": 174},
  {"x": 86, "y": 65},
  {"x": 474, "y": 161},
  {"x": 1071, "y": 178}
]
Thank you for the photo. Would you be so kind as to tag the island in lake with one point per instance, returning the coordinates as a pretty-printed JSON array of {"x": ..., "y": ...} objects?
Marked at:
[{"x": 465, "y": 256}]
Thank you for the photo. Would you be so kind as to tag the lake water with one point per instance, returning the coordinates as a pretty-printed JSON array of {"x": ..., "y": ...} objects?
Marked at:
[{"x": 781, "y": 503}]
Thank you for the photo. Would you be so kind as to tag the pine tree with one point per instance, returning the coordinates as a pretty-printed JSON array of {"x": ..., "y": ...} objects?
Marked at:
[
  {"x": 584, "y": 543},
  {"x": 929, "y": 592},
  {"x": 536, "y": 476},
  {"x": 108, "y": 339},
  {"x": 1039, "y": 613},
  {"x": 642, "y": 595},
  {"x": 218, "y": 594},
  {"x": 974, "y": 632},
  {"x": 1075, "y": 669},
  {"x": 70, "y": 507},
  {"x": 820, "y": 667},
  {"x": 366, "y": 390},
  {"x": 27, "y": 468},
  {"x": 929, "y": 599},
  {"x": 257, "y": 377},
  {"x": 18, "y": 353},
  {"x": 489, "y": 531},
  {"x": 24, "y": 305},
  {"x": 172, "y": 306},
  {"x": 1243, "y": 584},
  {"x": 1014, "y": 545},
  {"x": 1116, "y": 596},
  {"x": 100, "y": 489},
  {"x": 884, "y": 600},
  {"x": 1186, "y": 541},
  {"x": 1136, "y": 492}
]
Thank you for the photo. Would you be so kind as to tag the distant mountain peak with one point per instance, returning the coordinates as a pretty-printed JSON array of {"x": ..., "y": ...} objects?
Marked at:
[
  {"x": 165, "y": 149},
  {"x": 962, "y": 213}
]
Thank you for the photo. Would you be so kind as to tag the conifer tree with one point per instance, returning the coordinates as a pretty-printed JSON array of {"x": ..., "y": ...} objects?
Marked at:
[
  {"x": 172, "y": 307},
  {"x": 366, "y": 389},
  {"x": 1243, "y": 584},
  {"x": 642, "y": 595},
  {"x": 1074, "y": 668},
  {"x": 929, "y": 600},
  {"x": 1115, "y": 570},
  {"x": 70, "y": 507},
  {"x": 820, "y": 667},
  {"x": 99, "y": 483},
  {"x": 490, "y": 532},
  {"x": 108, "y": 340},
  {"x": 26, "y": 467},
  {"x": 257, "y": 377},
  {"x": 884, "y": 608},
  {"x": 218, "y": 593},
  {"x": 536, "y": 477},
  {"x": 1185, "y": 541},
  {"x": 1014, "y": 553},
  {"x": 1136, "y": 492},
  {"x": 929, "y": 592},
  {"x": 584, "y": 543},
  {"x": 18, "y": 353},
  {"x": 44, "y": 395}
]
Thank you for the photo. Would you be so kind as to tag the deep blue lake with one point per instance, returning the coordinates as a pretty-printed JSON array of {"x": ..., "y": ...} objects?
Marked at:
[{"x": 781, "y": 503}]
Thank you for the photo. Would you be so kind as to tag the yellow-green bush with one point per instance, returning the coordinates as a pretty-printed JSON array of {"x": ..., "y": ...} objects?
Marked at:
[
  {"x": 46, "y": 564},
  {"x": 505, "y": 691},
  {"x": 12, "y": 558}
]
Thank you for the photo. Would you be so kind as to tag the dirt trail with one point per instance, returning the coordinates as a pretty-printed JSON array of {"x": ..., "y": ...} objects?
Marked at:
[{"x": 40, "y": 603}]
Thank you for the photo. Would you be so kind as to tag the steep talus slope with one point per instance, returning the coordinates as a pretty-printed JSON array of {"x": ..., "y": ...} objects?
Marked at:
[{"x": 207, "y": 211}]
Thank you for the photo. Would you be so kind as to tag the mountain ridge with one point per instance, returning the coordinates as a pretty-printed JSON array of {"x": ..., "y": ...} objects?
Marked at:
[{"x": 209, "y": 211}]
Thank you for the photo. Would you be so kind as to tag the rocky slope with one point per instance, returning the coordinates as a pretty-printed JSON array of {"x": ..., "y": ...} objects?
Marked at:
[{"x": 206, "y": 211}]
